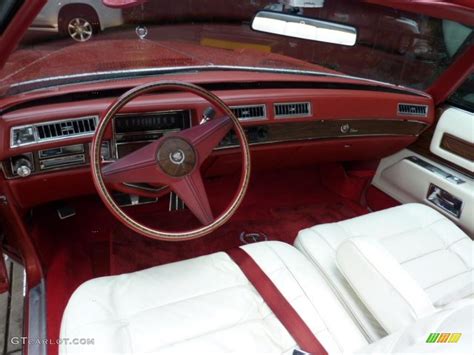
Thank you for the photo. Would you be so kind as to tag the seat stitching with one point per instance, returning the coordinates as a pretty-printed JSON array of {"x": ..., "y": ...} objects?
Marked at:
[
  {"x": 420, "y": 256},
  {"x": 457, "y": 241},
  {"x": 449, "y": 278},
  {"x": 184, "y": 299},
  {"x": 256, "y": 320},
  {"x": 304, "y": 291},
  {"x": 349, "y": 233},
  {"x": 129, "y": 336},
  {"x": 338, "y": 293},
  {"x": 320, "y": 236},
  {"x": 447, "y": 248},
  {"x": 411, "y": 230}
]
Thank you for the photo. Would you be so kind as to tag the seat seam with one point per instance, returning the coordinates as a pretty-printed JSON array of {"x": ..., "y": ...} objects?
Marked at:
[
  {"x": 304, "y": 292},
  {"x": 129, "y": 337},
  {"x": 448, "y": 247},
  {"x": 256, "y": 320},
  {"x": 320, "y": 236},
  {"x": 410, "y": 230},
  {"x": 449, "y": 278},
  {"x": 419, "y": 256},
  {"x": 424, "y": 254},
  {"x": 182, "y": 300},
  {"x": 339, "y": 295}
]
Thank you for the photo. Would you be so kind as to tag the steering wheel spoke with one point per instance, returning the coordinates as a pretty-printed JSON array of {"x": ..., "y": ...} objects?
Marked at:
[
  {"x": 137, "y": 167},
  {"x": 207, "y": 136},
  {"x": 193, "y": 193}
]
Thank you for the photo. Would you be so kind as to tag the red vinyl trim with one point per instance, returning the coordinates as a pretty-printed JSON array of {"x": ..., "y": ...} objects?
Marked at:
[
  {"x": 452, "y": 77},
  {"x": 277, "y": 302}
]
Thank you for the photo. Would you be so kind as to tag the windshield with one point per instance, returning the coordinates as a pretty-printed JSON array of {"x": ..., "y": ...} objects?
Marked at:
[{"x": 80, "y": 37}]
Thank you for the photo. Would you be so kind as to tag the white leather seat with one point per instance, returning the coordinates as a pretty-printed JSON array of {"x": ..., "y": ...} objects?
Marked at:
[
  {"x": 401, "y": 264},
  {"x": 395, "y": 262},
  {"x": 206, "y": 305}
]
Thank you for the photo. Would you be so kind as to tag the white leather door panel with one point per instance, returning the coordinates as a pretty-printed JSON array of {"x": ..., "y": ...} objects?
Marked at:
[
  {"x": 457, "y": 123},
  {"x": 406, "y": 181}
]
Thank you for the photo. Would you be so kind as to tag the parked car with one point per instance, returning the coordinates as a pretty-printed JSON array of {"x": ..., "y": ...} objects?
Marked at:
[{"x": 78, "y": 19}]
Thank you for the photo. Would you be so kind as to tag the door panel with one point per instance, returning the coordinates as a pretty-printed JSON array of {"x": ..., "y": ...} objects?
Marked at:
[
  {"x": 410, "y": 177},
  {"x": 453, "y": 138}
]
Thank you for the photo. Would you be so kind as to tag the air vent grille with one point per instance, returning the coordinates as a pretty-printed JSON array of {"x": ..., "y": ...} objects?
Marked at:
[
  {"x": 294, "y": 109},
  {"x": 413, "y": 110},
  {"x": 251, "y": 112},
  {"x": 67, "y": 128},
  {"x": 54, "y": 130}
]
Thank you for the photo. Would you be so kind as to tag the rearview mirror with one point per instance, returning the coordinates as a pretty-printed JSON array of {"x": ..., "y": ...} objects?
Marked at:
[{"x": 304, "y": 27}]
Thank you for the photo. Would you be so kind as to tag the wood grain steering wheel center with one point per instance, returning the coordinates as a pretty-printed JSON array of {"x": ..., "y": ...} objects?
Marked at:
[{"x": 176, "y": 157}]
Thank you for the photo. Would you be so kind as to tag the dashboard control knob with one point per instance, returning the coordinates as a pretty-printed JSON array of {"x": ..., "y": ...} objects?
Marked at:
[{"x": 22, "y": 167}]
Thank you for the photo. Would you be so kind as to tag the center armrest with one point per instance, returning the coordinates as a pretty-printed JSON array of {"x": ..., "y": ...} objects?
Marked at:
[{"x": 389, "y": 292}]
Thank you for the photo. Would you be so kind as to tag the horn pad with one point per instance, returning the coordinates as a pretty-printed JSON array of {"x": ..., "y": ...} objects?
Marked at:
[{"x": 176, "y": 157}]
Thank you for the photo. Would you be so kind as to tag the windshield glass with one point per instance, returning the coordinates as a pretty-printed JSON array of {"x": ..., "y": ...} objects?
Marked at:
[
  {"x": 463, "y": 97},
  {"x": 80, "y": 37}
]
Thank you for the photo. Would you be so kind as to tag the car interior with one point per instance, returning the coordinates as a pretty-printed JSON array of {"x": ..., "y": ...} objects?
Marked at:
[{"x": 281, "y": 177}]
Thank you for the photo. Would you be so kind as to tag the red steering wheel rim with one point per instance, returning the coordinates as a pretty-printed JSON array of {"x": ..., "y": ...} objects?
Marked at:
[{"x": 100, "y": 183}]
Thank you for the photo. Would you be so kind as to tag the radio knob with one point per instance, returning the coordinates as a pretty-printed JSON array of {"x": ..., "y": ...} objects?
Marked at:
[{"x": 23, "y": 167}]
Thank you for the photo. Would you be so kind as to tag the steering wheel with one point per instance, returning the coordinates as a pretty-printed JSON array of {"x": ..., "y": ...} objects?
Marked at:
[{"x": 174, "y": 160}]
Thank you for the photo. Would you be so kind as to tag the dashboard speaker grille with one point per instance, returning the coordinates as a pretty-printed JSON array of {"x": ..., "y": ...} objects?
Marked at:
[
  {"x": 293, "y": 109},
  {"x": 252, "y": 112},
  {"x": 413, "y": 110}
]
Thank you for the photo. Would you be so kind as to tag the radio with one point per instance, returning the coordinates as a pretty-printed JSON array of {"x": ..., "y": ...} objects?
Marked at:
[{"x": 68, "y": 156}]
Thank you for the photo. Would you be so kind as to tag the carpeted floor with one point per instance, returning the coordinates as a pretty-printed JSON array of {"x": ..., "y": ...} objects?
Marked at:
[{"x": 277, "y": 205}]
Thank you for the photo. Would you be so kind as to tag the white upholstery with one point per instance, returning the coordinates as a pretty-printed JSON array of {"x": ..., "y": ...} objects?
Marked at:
[
  {"x": 400, "y": 262},
  {"x": 457, "y": 318},
  {"x": 377, "y": 278},
  {"x": 206, "y": 305},
  {"x": 429, "y": 248}
]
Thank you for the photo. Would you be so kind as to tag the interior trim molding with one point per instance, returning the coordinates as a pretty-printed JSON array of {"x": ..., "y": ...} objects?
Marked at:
[{"x": 458, "y": 146}]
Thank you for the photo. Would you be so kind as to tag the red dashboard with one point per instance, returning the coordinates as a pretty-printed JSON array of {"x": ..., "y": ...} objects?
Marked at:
[{"x": 286, "y": 127}]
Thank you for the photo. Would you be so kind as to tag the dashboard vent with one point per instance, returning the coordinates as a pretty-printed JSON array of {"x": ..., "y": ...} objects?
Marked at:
[
  {"x": 251, "y": 112},
  {"x": 294, "y": 109},
  {"x": 53, "y": 130},
  {"x": 66, "y": 128},
  {"x": 413, "y": 110}
]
